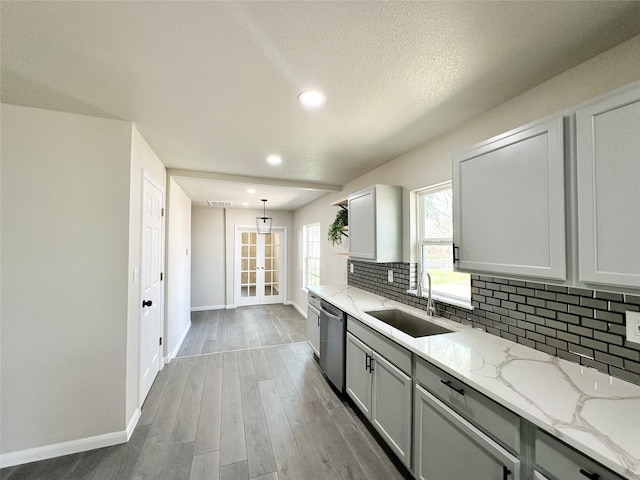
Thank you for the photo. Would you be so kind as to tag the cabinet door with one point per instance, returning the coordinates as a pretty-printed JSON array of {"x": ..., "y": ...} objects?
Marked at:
[
  {"x": 608, "y": 153},
  {"x": 447, "y": 447},
  {"x": 362, "y": 225},
  {"x": 358, "y": 376},
  {"x": 391, "y": 406},
  {"x": 509, "y": 214},
  {"x": 313, "y": 329}
]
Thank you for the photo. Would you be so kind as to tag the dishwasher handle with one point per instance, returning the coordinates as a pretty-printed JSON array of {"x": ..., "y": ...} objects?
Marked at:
[{"x": 331, "y": 315}]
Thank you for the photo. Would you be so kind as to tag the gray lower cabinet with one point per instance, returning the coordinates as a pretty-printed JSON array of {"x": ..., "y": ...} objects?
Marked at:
[
  {"x": 313, "y": 323},
  {"x": 358, "y": 382},
  {"x": 559, "y": 462},
  {"x": 383, "y": 393},
  {"x": 447, "y": 447}
]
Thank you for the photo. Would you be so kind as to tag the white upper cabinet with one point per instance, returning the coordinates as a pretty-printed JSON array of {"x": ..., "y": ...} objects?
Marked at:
[
  {"x": 375, "y": 224},
  {"x": 509, "y": 204},
  {"x": 608, "y": 155}
]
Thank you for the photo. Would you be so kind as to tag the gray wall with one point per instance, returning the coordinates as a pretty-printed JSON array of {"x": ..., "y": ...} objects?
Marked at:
[
  {"x": 213, "y": 240},
  {"x": 178, "y": 279},
  {"x": 65, "y": 262},
  {"x": 71, "y": 240},
  {"x": 208, "y": 260}
]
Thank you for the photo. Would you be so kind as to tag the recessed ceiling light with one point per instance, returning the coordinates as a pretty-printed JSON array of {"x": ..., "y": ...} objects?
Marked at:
[
  {"x": 312, "y": 98},
  {"x": 274, "y": 159},
  {"x": 251, "y": 190}
]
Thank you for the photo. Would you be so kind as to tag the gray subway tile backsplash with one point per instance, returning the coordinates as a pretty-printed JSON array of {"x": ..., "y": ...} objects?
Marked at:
[{"x": 577, "y": 324}]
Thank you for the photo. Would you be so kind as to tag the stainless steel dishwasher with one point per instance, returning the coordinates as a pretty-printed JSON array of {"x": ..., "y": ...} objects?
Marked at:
[{"x": 333, "y": 328}]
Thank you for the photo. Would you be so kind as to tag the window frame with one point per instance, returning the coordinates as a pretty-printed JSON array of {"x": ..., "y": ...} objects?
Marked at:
[
  {"x": 422, "y": 240},
  {"x": 306, "y": 258}
]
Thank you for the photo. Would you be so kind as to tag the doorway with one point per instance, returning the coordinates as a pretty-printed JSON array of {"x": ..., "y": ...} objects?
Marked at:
[{"x": 260, "y": 273}]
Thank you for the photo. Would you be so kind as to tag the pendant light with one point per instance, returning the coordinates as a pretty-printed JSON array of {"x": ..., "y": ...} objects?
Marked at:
[{"x": 263, "y": 223}]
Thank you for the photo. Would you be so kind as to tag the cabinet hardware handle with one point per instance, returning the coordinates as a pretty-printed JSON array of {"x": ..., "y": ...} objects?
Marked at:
[
  {"x": 453, "y": 250},
  {"x": 368, "y": 362},
  {"x": 505, "y": 472},
  {"x": 592, "y": 476},
  {"x": 146, "y": 303},
  {"x": 452, "y": 387}
]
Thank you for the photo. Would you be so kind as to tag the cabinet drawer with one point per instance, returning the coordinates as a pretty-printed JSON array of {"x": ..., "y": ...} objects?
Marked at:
[
  {"x": 560, "y": 462},
  {"x": 491, "y": 417},
  {"x": 449, "y": 447},
  {"x": 393, "y": 352}
]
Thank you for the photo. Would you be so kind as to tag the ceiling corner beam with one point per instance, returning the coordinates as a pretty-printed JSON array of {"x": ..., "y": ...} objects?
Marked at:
[{"x": 176, "y": 172}]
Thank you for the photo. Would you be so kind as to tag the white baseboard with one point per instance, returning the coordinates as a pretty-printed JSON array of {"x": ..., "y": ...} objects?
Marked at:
[
  {"x": 295, "y": 305},
  {"x": 230, "y": 307},
  {"x": 71, "y": 447},
  {"x": 132, "y": 423},
  {"x": 64, "y": 448},
  {"x": 173, "y": 354},
  {"x": 209, "y": 307}
]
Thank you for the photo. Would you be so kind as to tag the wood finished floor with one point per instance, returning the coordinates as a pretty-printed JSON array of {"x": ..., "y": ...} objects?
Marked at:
[
  {"x": 247, "y": 327},
  {"x": 264, "y": 413}
]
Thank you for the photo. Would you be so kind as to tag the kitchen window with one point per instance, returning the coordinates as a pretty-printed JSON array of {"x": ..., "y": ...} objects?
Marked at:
[
  {"x": 435, "y": 246},
  {"x": 311, "y": 254}
]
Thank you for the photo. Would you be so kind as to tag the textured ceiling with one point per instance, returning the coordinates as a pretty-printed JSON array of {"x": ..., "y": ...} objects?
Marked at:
[{"x": 212, "y": 86}]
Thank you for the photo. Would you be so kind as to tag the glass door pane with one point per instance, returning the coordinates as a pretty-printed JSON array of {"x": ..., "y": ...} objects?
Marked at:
[
  {"x": 271, "y": 264},
  {"x": 248, "y": 265}
]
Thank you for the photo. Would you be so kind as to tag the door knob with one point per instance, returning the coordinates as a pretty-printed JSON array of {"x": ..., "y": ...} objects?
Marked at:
[{"x": 147, "y": 303}]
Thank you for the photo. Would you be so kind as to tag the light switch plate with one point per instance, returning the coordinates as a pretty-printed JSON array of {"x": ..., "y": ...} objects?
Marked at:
[
  {"x": 633, "y": 327},
  {"x": 390, "y": 276},
  {"x": 351, "y": 267}
]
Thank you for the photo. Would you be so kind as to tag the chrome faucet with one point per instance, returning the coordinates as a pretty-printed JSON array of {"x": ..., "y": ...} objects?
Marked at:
[{"x": 430, "y": 307}]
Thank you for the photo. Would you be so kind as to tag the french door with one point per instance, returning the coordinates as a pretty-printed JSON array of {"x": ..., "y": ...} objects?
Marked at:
[{"x": 260, "y": 266}]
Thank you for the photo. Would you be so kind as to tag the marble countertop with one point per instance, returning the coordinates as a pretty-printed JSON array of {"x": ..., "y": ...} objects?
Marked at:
[{"x": 595, "y": 413}]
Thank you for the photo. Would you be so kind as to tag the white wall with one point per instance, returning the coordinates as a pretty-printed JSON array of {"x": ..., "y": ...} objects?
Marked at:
[
  {"x": 143, "y": 162},
  {"x": 430, "y": 163},
  {"x": 65, "y": 250},
  {"x": 178, "y": 278},
  {"x": 208, "y": 260}
]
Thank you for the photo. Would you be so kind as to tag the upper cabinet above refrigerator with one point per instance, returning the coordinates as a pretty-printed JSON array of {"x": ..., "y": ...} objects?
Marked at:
[
  {"x": 608, "y": 165},
  {"x": 509, "y": 204}
]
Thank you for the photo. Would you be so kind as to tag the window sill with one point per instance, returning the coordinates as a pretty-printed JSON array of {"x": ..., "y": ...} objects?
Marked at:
[{"x": 445, "y": 299}]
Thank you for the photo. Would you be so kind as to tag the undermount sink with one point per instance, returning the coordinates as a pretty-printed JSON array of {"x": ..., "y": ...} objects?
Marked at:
[{"x": 407, "y": 323}]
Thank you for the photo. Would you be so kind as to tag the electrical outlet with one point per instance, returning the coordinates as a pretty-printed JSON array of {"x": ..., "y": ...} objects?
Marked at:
[
  {"x": 390, "y": 276},
  {"x": 351, "y": 267},
  {"x": 633, "y": 327}
]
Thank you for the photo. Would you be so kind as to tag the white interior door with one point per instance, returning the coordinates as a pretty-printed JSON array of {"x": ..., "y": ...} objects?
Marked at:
[
  {"x": 259, "y": 272},
  {"x": 151, "y": 286}
]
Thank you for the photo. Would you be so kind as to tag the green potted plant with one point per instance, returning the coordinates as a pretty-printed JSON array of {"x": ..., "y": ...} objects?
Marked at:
[{"x": 336, "y": 228}]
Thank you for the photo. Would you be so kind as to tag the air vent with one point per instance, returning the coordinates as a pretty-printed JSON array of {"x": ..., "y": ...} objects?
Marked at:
[{"x": 219, "y": 204}]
